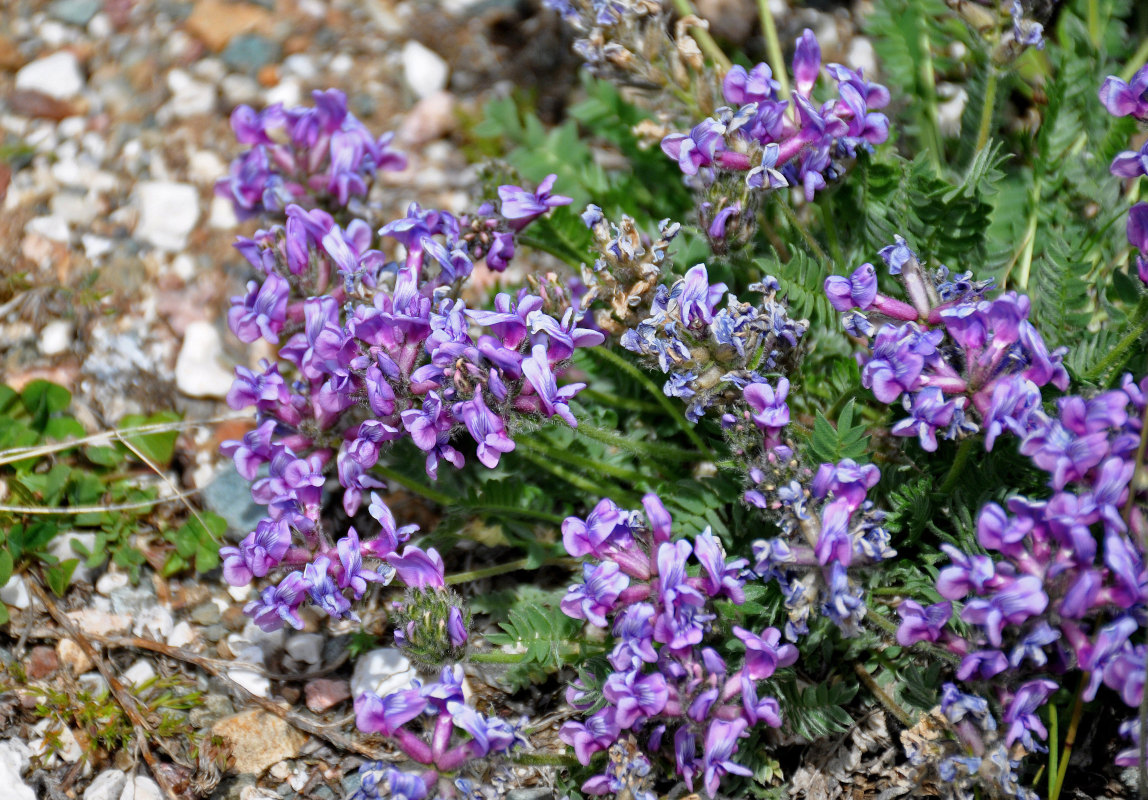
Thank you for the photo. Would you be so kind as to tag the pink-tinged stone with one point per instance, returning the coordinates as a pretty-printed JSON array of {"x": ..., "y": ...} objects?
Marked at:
[{"x": 323, "y": 694}]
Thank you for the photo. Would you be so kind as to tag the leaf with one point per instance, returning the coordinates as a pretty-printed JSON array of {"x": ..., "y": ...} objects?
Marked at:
[
  {"x": 58, "y": 576},
  {"x": 829, "y": 444},
  {"x": 158, "y": 447},
  {"x": 42, "y": 399},
  {"x": 5, "y": 566}
]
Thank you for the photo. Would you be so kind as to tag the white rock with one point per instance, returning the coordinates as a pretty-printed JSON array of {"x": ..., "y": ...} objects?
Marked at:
[
  {"x": 100, "y": 623},
  {"x": 424, "y": 70},
  {"x": 92, "y": 682},
  {"x": 239, "y": 89},
  {"x": 71, "y": 127},
  {"x": 95, "y": 246},
  {"x": 342, "y": 64},
  {"x": 15, "y": 593},
  {"x": 306, "y": 647},
  {"x": 183, "y": 265},
  {"x": 56, "y": 338},
  {"x": 69, "y": 750},
  {"x": 239, "y": 593},
  {"x": 54, "y": 228},
  {"x": 205, "y": 167},
  {"x": 110, "y": 581},
  {"x": 198, "y": 372},
  {"x": 254, "y": 682},
  {"x": 73, "y": 207},
  {"x": 154, "y": 622},
  {"x": 288, "y": 92},
  {"x": 300, "y": 65},
  {"x": 210, "y": 69},
  {"x": 57, "y": 75},
  {"x": 168, "y": 213},
  {"x": 270, "y": 643},
  {"x": 141, "y": 788},
  {"x": 189, "y": 97},
  {"x": 108, "y": 785},
  {"x": 100, "y": 26},
  {"x": 181, "y": 635},
  {"x": 382, "y": 671},
  {"x": 14, "y": 756},
  {"x": 222, "y": 215},
  {"x": 862, "y": 56},
  {"x": 139, "y": 672}
]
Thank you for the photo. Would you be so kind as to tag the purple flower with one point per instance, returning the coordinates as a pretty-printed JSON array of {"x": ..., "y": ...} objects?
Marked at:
[
  {"x": 719, "y": 577},
  {"x": 605, "y": 528},
  {"x": 704, "y": 146},
  {"x": 323, "y": 590},
  {"x": 771, "y": 413},
  {"x": 685, "y": 755},
  {"x": 267, "y": 391},
  {"x": 1032, "y": 646},
  {"x": 486, "y": 427},
  {"x": 897, "y": 255},
  {"x": 1130, "y": 163},
  {"x": 385, "y": 715},
  {"x": 1018, "y": 600},
  {"x": 1138, "y": 237},
  {"x": 757, "y": 85},
  {"x": 537, "y": 371},
  {"x": 696, "y": 297},
  {"x": 258, "y": 553},
  {"x": 523, "y": 207},
  {"x": 764, "y": 710},
  {"x": 634, "y": 627},
  {"x": 857, "y": 291},
  {"x": 1021, "y": 717},
  {"x": 597, "y": 595},
  {"x": 636, "y": 696},
  {"x": 598, "y": 732},
  {"x": 895, "y": 366},
  {"x": 762, "y": 654},
  {"x": 834, "y": 542},
  {"x": 279, "y": 604},
  {"x": 261, "y": 312},
  {"x": 353, "y": 575},
  {"x": 1124, "y": 99},
  {"x": 930, "y": 411},
  {"x": 847, "y": 479},
  {"x": 982, "y": 665},
  {"x": 721, "y": 744},
  {"x": 418, "y": 568},
  {"x": 920, "y": 624},
  {"x": 806, "y": 62},
  {"x": 456, "y": 627}
]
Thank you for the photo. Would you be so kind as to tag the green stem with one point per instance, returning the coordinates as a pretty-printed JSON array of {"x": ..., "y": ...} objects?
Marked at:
[
  {"x": 545, "y": 760},
  {"x": 928, "y": 80},
  {"x": 958, "y": 465},
  {"x": 575, "y": 460},
  {"x": 616, "y": 401},
  {"x": 702, "y": 36},
  {"x": 1094, "y": 22},
  {"x": 1136, "y": 62},
  {"x": 1069, "y": 737},
  {"x": 773, "y": 48},
  {"x": 885, "y": 700},
  {"x": 805, "y": 234},
  {"x": 496, "y": 657},
  {"x": 1053, "y": 734},
  {"x": 986, "y": 125},
  {"x": 1117, "y": 354},
  {"x": 488, "y": 572},
  {"x": 616, "y": 361},
  {"x": 414, "y": 486},
  {"x": 641, "y": 448}
]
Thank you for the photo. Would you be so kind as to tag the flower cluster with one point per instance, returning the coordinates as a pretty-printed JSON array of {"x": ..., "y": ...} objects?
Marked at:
[
  {"x": 388, "y": 352},
  {"x": 669, "y": 684},
  {"x": 432, "y": 625},
  {"x": 828, "y": 528},
  {"x": 1121, "y": 100},
  {"x": 977, "y": 757},
  {"x": 775, "y": 144},
  {"x": 1070, "y": 585},
  {"x": 626, "y": 272},
  {"x": 712, "y": 357},
  {"x": 453, "y": 734},
  {"x": 958, "y": 361},
  {"x": 313, "y": 156}
]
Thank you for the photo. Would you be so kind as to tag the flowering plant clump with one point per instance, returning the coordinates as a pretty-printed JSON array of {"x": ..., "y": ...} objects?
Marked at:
[
  {"x": 667, "y": 680},
  {"x": 695, "y": 541}
]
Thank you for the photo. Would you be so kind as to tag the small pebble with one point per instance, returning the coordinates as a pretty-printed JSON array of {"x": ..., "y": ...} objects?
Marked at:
[
  {"x": 108, "y": 785},
  {"x": 42, "y": 662}
]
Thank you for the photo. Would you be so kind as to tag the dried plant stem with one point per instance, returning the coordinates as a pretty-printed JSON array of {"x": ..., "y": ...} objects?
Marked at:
[{"x": 122, "y": 696}]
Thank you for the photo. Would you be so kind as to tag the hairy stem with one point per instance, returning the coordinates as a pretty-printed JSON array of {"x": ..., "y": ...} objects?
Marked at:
[
  {"x": 986, "y": 125},
  {"x": 545, "y": 760},
  {"x": 589, "y": 465},
  {"x": 773, "y": 48},
  {"x": 1069, "y": 738},
  {"x": 883, "y": 698}
]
